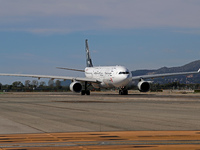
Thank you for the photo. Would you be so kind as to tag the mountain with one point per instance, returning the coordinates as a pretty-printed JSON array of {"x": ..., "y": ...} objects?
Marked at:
[{"x": 193, "y": 66}]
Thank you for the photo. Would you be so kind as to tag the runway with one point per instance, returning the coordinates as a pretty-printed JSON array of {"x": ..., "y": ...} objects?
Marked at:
[{"x": 55, "y": 114}]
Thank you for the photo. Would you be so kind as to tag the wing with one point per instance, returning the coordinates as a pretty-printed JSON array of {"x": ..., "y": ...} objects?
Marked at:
[
  {"x": 52, "y": 77},
  {"x": 163, "y": 75}
]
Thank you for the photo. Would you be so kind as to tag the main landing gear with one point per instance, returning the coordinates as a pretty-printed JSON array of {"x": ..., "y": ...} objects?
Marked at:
[
  {"x": 86, "y": 91},
  {"x": 123, "y": 92}
]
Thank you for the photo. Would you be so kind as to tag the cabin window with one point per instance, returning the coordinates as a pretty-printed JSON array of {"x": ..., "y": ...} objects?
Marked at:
[{"x": 124, "y": 72}]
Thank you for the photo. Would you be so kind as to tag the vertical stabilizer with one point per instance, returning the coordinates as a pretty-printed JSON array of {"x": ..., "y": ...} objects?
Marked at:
[{"x": 88, "y": 58}]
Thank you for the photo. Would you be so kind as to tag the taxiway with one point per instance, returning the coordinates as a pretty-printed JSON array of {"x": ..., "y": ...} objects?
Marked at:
[{"x": 64, "y": 113}]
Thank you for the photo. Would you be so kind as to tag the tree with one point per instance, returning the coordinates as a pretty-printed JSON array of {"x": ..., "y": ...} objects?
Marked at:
[
  {"x": 50, "y": 83},
  {"x": 58, "y": 84},
  {"x": 34, "y": 83},
  {"x": 27, "y": 83},
  {"x": 42, "y": 84},
  {"x": 17, "y": 84}
]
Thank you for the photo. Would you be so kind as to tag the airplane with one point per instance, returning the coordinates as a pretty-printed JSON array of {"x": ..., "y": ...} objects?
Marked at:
[{"x": 104, "y": 77}]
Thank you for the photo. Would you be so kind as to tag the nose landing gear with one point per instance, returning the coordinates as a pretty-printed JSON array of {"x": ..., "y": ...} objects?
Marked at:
[{"x": 123, "y": 91}]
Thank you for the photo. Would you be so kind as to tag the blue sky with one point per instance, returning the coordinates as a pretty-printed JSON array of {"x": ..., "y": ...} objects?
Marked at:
[{"x": 38, "y": 35}]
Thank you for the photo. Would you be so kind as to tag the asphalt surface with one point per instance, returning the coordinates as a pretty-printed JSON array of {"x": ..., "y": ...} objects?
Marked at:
[
  {"x": 105, "y": 120},
  {"x": 68, "y": 112}
]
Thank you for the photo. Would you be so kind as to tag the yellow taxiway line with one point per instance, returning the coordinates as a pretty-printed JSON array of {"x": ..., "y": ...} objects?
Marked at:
[{"x": 137, "y": 140}]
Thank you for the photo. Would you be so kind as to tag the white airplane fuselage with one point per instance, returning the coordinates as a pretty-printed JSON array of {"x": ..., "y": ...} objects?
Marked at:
[{"x": 110, "y": 76}]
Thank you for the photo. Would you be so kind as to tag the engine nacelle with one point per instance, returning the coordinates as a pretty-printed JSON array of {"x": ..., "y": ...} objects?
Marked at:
[
  {"x": 143, "y": 86},
  {"x": 76, "y": 87}
]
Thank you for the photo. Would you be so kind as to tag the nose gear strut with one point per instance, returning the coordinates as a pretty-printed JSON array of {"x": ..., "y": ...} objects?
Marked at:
[{"x": 123, "y": 91}]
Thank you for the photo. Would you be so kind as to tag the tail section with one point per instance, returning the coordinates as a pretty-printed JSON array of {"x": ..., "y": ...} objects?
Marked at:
[{"x": 88, "y": 58}]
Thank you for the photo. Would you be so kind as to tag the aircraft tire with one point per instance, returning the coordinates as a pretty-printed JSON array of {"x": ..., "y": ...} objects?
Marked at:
[
  {"x": 87, "y": 92},
  {"x": 120, "y": 92},
  {"x": 83, "y": 92},
  {"x": 123, "y": 92}
]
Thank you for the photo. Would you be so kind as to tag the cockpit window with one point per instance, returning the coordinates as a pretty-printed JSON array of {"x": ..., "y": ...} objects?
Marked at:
[{"x": 124, "y": 72}]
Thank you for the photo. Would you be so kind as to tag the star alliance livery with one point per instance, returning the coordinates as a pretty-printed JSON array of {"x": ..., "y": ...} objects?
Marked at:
[{"x": 104, "y": 77}]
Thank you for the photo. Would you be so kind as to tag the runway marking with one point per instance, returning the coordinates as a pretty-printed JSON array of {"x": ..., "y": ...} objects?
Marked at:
[{"x": 148, "y": 140}]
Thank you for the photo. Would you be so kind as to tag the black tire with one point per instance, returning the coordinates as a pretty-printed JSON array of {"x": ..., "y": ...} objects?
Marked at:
[
  {"x": 83, "y": 92},
  {"x": 123, "y": 92},
  {"x": 87, "y": 92}
]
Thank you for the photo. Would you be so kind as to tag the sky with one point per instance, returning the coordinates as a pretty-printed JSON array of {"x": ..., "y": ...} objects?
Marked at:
[{"x": 36, "y": 36}]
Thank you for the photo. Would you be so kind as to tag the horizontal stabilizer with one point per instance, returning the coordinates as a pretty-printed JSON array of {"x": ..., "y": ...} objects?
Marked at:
[{"x": 70, "y": 69}]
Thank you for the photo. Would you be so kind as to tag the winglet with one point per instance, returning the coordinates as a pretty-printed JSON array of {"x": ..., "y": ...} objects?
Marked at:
[{"x": 199, "y": 70}]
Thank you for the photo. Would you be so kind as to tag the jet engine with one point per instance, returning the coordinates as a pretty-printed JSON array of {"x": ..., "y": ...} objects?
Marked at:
[
  {"x": 76, "y": 87},
  {"x": 143, "y": 86}
]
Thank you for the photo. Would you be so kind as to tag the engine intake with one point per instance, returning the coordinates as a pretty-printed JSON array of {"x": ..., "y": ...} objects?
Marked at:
[
  {"x": 143, "y": 86},
  {"x": 76, "y": 87}
]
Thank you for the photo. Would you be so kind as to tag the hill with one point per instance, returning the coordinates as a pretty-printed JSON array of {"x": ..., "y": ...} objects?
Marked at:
[{"x": 195, "y": 65}]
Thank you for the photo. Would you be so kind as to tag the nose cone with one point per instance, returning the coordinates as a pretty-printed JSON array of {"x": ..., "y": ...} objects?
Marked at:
[
  {"x": 122, "y": 80},
  {"x": 123, "y": 77}
]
